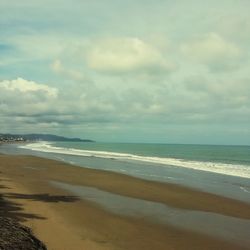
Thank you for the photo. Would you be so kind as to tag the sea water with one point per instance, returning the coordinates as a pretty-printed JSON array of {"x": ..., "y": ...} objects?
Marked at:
[
  {"x": 223, "y": 170},
  {"x": 229, "y": 160}
]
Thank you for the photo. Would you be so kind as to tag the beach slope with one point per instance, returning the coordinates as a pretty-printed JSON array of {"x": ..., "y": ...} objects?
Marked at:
[{"x": 63, "y": 220}]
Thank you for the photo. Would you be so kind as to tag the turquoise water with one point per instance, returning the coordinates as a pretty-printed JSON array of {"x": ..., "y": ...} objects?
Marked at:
[
  {"x": 227, "y": 160},
  {"x": 209, "y": 153},
  {"x": 230, "y": 160}
]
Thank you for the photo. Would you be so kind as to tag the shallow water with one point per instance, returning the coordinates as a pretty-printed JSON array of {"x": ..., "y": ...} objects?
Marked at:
[{"x": 224, "y": 227}]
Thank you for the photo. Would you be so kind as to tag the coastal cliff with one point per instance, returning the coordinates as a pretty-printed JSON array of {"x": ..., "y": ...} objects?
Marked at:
[{"x": 38, "y": 137}]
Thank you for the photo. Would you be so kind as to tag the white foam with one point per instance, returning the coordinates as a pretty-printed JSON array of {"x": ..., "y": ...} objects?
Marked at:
[
  {"x": 221, "y": 168},
  {"x": 244, "y": 189}
]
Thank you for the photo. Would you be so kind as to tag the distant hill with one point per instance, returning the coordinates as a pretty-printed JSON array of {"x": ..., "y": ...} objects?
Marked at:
[{"x": 40, "y": 137}]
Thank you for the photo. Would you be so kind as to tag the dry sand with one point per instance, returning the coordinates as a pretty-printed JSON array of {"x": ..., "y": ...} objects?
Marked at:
[{"x": 63, "y": 221}]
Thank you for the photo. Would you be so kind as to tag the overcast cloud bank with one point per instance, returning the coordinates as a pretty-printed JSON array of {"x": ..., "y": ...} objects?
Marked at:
[{"x": 145, "y": 71}]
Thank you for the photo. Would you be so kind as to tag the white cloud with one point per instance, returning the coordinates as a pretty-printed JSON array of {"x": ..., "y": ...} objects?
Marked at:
[
  {"x": 126, "y": 55},
  {"x": 211, "y": 49},
  {"x": 25, "y": 103},
  {"x": 24, "y": 86}
]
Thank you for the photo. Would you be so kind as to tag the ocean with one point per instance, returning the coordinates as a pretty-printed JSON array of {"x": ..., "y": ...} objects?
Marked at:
[{"x": 223, "y": 170}]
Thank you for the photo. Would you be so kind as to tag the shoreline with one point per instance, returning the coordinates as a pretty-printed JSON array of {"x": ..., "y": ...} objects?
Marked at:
[
  {"x": 86, "y": 224},
  {"x": 225, "y": 185}
]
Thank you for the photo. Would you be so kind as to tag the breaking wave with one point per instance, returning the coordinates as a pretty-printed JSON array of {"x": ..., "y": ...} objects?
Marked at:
[{"x": 215, "y": 167}]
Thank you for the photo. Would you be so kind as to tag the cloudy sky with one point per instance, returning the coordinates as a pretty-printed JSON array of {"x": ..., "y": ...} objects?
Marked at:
[{"x": 130, "y": 71}]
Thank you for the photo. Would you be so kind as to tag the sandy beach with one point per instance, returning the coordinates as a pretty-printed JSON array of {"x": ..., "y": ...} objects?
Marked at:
[{"x": 63, "y": 220}]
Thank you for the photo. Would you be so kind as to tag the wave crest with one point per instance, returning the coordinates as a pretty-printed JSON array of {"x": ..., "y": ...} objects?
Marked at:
[{"x": 220, "y": 168}]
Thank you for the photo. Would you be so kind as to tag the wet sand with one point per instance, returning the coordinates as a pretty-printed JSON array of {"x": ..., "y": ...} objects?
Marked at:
[{"x": 65, "y": 221}]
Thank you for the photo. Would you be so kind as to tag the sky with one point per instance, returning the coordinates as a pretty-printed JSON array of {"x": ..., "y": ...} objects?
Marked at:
[{"x": 127, "y": 71}]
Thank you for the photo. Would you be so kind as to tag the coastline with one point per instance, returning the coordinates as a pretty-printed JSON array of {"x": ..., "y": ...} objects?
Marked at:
[{"x": 79, "y": 223}]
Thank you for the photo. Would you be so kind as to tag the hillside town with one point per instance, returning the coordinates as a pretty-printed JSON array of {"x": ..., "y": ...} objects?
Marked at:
[{"x": 11, "y": 139}]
